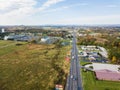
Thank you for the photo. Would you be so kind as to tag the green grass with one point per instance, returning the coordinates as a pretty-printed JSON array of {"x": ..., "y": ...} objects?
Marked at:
[
  {"x": 91, "y": 83},
  {"x": 84, "y": 63},
  {"x": 9, "y": 46},
  {"x": 32, "y": 67},
  {"x": 2, "y": 43}
]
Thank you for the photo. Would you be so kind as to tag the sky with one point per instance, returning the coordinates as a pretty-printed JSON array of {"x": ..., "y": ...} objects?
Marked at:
[{"x": 59, "y": 12}]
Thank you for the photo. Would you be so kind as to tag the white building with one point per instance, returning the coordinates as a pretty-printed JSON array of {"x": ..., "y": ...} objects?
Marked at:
[
  {"x": 6, "y": 37},
  {"x": 103, "y": 52},
  {"x": 44, "y": 39},
  {"x": 2, "y": 30},
  {"x": 101, "y": 66}
]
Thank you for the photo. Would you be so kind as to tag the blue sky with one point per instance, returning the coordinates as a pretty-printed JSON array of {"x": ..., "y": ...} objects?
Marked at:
[{"x": 41, "y": 12}]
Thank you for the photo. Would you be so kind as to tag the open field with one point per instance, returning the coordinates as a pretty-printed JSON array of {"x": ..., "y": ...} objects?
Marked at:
[
  {"x": 2, "y": 43},
  {"x": 90, "y": 82},
  {"x": 9, "y": 46},
  {"x": 32, "y": 67}
]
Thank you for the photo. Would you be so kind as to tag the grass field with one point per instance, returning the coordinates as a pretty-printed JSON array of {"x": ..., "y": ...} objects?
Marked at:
[
  {"x": 3, "y": 43},
  {"x": 9, "y": 46},
  {"x": 32, "y": 67},
  {"x": 90, "y": 82}
]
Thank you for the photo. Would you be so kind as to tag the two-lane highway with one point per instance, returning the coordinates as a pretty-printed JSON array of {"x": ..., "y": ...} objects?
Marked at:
[{"x": 74, "y": 78}]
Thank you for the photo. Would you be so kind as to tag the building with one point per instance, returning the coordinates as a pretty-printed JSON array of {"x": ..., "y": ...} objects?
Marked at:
[
  {"x": 107, "y": 71},
  {"x": 2, "y": 30},
  {"x": 44, "y": 39},
  {"x": 106, "y": 74},
  {"x": 58, "y": 87},
  {"x": 49, "y": 40},
  {"x": 103, "y": 52},
  {"x": 20, "y": 37}
]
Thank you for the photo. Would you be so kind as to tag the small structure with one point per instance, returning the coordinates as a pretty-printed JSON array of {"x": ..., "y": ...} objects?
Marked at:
[
  {"x": 58, "y": 87},
  {"x": 67, "y": 58}
]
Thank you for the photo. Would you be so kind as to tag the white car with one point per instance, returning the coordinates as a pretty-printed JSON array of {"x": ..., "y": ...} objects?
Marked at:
[
  {"x": 71, "y": 76},
  {"x": 72, "y": 57}
]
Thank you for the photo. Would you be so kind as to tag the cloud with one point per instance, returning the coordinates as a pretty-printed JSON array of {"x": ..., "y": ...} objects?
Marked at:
[
  {"x": 12, "y": 11},
  {"x": 49, "y": 3},
  {"x": 65, "y": 7},
  {"x": 11, "y": 5},
  {"x": 78, "y": 4},
  {"x": 25, "y": 11},
  {"x": 112, "y": 6},
  {"x": 56, "y": 9},
  {"x": 24, "y": 7},
  {"x": 106, "y": 19}
]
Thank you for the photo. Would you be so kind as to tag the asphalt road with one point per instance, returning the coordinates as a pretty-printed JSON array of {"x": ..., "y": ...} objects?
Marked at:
[{"x": 74, "y": 81}]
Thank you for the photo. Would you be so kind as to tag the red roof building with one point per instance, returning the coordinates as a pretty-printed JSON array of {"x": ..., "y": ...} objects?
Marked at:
[{"x": 106, "y": 74}]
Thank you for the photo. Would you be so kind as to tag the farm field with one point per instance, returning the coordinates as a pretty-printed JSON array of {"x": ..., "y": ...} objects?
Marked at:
[{"x": 32, "y": 67}]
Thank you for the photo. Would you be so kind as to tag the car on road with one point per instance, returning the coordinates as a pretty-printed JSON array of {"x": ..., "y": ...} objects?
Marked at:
[
  {"x": 72, "y": 57},
  {"x": 74, "y": 78},
  {"x": 71, "y": 76}
]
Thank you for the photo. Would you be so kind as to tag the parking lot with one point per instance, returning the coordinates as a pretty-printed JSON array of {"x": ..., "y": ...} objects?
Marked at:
[{"x": 92, "y": 54}]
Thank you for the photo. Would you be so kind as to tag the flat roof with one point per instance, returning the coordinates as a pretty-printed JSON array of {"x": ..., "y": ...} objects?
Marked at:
[{"x": 101, "y": 66}]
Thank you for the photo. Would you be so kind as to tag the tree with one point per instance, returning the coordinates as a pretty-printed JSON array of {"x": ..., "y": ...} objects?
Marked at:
[
  {"x": 33, "y": 41},
  {"x": 114, "y": 60},
  {"x": 118, "y": 68}
]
